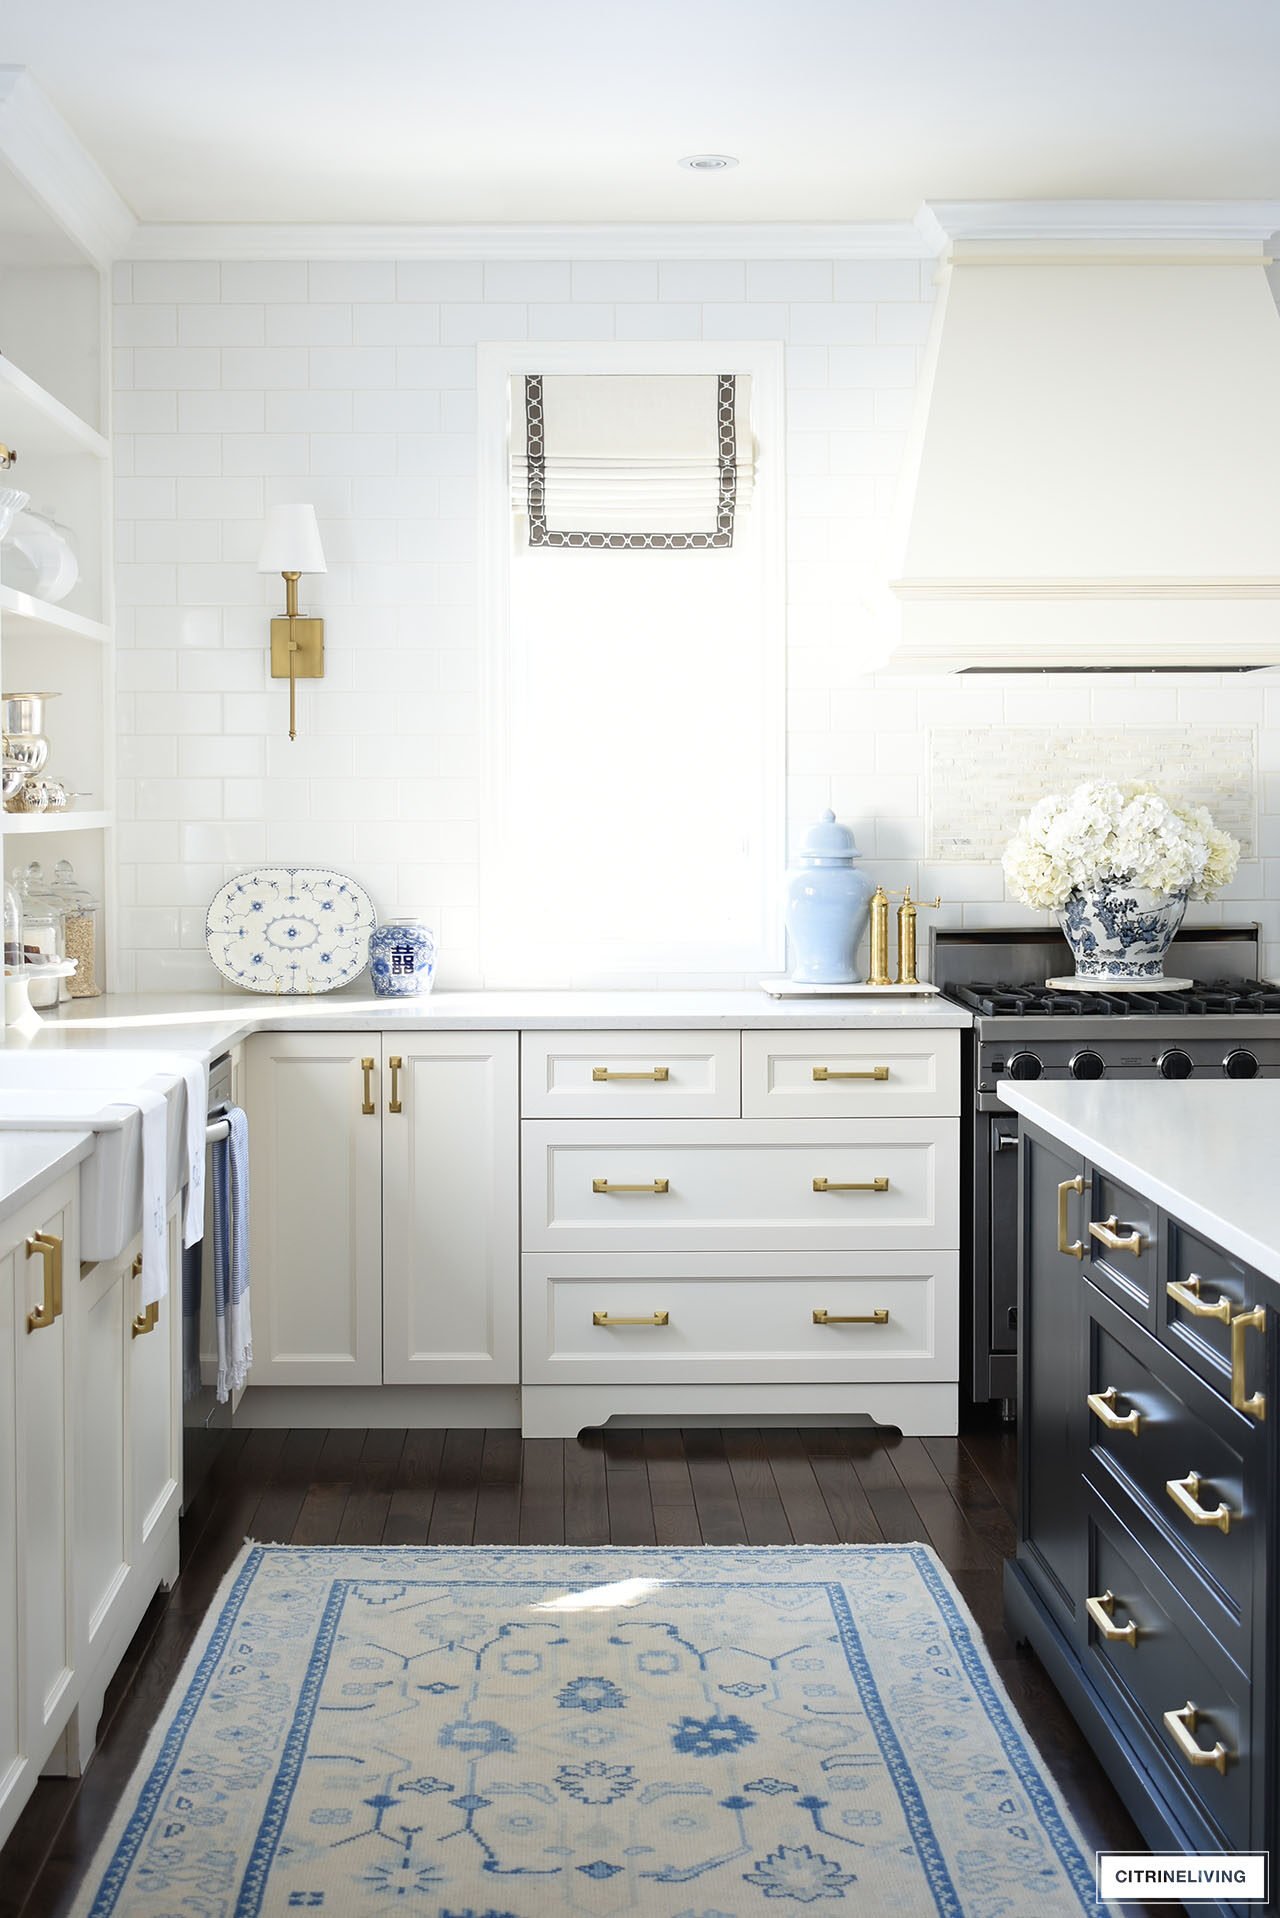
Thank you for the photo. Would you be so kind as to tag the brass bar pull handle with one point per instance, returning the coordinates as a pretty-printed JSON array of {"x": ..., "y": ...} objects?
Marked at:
[
  {"x": 1075, "y": 1250},
  {"x": 49, "y": 1249},
  {"x": 368, "y": 1107},
  {"x": 656, "y": 1185},
  {"x": 146, "y": 1321},
  {"x": 1102, "y": 1611},
  {"x": 1185, "y": 1493},
  {"x": 653, "y": 1318},
  {"x": 1255, "y": 1321},
  {"x": 851, "y": 1185},
  {"x": 879, "y": 1317},
  {"x": 1103, "y": 1407},
  {"x": 1104, "y": 1231},
  {"x": 823, "y": 1073},
  {"x": 1186, "y": 1293},
  {"x": 1181, "y": 1726},
  {"x": 394, "y": 1103},
  {"x": 659, "y": 1074}
]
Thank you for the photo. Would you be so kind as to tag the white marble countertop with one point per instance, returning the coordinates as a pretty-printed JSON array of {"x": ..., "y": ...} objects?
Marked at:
[
  {"x": 28, "y": 1160},
  {"x": 1207, "y": 1153},
  {"x": 209, "y": 1023}
]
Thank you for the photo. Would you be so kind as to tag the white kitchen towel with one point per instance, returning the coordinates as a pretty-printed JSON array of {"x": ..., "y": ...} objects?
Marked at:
[
  {"x": 195, "y": 1076},
  {"x": 155, "y": 1253}
]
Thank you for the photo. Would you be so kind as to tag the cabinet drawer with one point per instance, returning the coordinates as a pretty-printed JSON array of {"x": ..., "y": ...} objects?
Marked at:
[
  {"x": 742, "y": 1320},
  {"x": 850, "y": 1074},
  {"x": 1182, "y": 1430},
  {"x": 1168, "y": 1666},
  {"x": 1204, "y": 1289},
  {"x": 751, "y": 1186},
  {"x": 629, "y": 1075},
  {"x": 1121, "y": 1231}
]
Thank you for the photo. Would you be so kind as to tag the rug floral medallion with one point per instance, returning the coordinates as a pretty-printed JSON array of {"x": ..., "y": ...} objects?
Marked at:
[{"x": 523, "y": 1733}]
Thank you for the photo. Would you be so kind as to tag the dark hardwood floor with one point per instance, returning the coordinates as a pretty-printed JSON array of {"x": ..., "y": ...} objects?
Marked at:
[{"x": 771, "y": 1486}]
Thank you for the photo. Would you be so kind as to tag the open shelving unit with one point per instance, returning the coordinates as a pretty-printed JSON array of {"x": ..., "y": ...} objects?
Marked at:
[{"x": 55, "y": 415}]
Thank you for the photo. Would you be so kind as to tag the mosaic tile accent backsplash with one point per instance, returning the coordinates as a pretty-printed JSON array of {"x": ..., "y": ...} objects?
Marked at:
[{"x": 980, "y": 784}]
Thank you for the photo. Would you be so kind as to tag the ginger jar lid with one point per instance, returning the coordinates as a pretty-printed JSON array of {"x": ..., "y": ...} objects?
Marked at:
[{"x": 829, "y": 844}]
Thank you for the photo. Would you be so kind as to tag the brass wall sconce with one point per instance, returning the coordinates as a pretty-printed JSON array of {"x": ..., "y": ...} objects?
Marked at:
[{"x": 291, "y": 546}]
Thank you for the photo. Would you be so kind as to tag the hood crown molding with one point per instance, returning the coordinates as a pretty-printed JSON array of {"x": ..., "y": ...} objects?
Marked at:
[
  {"x": 941, "y": 224},
  {"x": 43, "y": 152}
]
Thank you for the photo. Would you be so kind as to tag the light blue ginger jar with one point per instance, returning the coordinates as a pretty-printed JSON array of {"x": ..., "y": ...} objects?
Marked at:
[
  {"x": 402, "y": 959},
  {"x": 828, "y": 903}
]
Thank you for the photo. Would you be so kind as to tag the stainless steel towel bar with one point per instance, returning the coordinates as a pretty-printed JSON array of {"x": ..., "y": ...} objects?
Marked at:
[{"x": 219, "y": 1129}]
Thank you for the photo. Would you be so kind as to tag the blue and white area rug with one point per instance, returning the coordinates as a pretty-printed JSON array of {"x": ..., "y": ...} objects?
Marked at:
[{"x": 498, "y": 1733}]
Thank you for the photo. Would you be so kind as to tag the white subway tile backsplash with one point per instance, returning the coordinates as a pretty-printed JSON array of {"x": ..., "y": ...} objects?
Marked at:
[{"x": 352, "y": 384}]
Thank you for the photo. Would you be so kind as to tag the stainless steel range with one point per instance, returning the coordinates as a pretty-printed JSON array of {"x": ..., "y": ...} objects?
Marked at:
[{"x": 1226, "y": 1025}]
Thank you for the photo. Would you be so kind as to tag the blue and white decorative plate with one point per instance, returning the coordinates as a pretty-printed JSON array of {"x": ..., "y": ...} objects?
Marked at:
[{"x": 281, "y": 929}]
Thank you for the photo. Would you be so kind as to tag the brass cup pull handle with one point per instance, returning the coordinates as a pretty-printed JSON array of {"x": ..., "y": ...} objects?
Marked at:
[
  {"x": 394, "y": 1103},
  {"x": 1104, "y": 1231},
  {"x": 655, "y": 1185},
  {"x": 1075, "y": 1250},
  {"x": 1185, "y": 1493},
  {"x": 851, "y": 1185},
  {"x": 1102, "y": 1612},
  {"x": 879, "y": 1317},
  {"x": 1103, "y": 1407},
  {"x": 367, "y": 1107},
  {"x": 1181, "y": 1726},
  {"x": 653, "y": 1318},
  {"x": 601, "y": 1074},
  {"x": 1243, "y": 1322},
  {"x": 49, "y": 1249},
  {"x": 145, "y": 1321},
  {"x": 1186, "y": 1293},
  {"x": 822, "y": 1074}
]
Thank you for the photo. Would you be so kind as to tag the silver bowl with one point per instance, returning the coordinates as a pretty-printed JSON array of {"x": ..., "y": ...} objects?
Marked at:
[{"x": 27, "y": 751}]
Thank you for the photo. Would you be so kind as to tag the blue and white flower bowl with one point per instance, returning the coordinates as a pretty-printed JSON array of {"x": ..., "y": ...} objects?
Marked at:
[
  {"x": 402, "y": 959},
  {"x": 1121, "y": 932}
]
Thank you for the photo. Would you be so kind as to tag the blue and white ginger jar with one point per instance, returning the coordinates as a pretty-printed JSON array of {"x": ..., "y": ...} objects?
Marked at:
[
  {"x": 402, "y": 959},
  {"x": 1120, "y": 931},
  {"x": 828, "y": 904}
]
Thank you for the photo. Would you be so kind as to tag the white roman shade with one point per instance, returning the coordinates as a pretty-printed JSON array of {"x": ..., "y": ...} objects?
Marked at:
[{"x": 650, "y": 461}]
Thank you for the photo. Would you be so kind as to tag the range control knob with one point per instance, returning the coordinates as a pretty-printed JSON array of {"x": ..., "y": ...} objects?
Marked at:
[
  {"x": 1240, "y": 1064},
  {"x": 1025, "y": 1065},
  {"x": 1087, "y": 1065},
  {"x": 1175, "y": 1064}
]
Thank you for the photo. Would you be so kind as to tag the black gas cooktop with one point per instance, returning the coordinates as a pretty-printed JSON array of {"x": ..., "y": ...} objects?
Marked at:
[{"x": 1001, "y": 999}]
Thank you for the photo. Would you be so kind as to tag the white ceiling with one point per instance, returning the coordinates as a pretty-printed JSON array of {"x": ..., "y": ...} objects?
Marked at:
[{"x": 488, "y": 110}]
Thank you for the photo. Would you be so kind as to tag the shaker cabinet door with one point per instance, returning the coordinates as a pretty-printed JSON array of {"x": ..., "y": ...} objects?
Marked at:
[
  {"x": 1051, "y": 1439},
  {"x": 450, "y": 1133},
  {"x": 315, "y": 1235},
  {"x": 154, "y": 1372}
]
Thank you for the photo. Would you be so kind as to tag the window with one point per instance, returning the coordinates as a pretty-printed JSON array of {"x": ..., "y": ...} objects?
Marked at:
[{"x": 636, "y": 715}]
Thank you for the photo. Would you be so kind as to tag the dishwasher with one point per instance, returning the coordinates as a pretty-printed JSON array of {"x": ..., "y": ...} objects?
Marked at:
[{"x": 205, "y": 1423}]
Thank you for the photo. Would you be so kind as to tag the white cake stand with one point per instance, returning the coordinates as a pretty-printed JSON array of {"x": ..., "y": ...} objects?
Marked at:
[{"x": 1069, "y": 983}]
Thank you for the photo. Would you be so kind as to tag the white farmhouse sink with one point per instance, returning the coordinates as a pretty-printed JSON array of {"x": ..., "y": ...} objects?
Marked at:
[{"x": 88, "y": 1092}]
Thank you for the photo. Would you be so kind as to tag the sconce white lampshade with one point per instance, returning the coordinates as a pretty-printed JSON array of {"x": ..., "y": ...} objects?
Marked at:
[{"x": 291, "y": 542}]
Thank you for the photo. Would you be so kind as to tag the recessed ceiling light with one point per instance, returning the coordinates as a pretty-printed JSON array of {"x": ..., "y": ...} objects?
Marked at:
[{"x": 708, "y": 162}]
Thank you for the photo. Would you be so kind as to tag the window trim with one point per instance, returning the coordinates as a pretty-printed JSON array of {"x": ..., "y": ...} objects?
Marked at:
[{"x": 497, "y": 362}]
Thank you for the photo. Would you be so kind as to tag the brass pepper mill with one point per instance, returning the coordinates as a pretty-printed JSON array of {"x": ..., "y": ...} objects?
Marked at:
[
  {"x": 878, "y": 970},
  {"x": 907, "y": 936}
]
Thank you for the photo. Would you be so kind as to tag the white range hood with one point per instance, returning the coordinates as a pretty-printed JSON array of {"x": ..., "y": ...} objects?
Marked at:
[{"x": 1093, "y": 474}]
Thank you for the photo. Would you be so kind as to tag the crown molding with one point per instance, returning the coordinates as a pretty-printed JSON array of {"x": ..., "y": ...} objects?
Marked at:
[
  {"x": 941, "y": 224},
  {"x": 774, "y": 240},
  {"x": 42, "y": 151}
]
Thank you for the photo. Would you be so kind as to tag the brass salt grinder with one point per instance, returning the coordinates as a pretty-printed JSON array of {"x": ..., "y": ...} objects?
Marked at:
[{"x": 878, "y": 971}]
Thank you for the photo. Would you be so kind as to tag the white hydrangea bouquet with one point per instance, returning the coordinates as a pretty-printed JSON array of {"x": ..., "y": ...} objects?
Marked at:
[{"x": 1117, "y": 863}]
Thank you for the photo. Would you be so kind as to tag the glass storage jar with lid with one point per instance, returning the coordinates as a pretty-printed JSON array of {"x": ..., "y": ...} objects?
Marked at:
[
  {"x": 42, "y": 934},
  {"x": 79, "y": 930}
]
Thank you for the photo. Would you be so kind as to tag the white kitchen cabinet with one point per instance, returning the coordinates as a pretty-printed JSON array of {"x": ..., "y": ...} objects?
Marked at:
[
  {"x": 153, "y": 1368},
  {"x": 315, "y": 1182},
  {"x": 103, "y": 1547},
  {"x": 384, "y": 1239},
  {"x": 450, "y": 1218},
  {"x": 37, "y": 1625}
]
